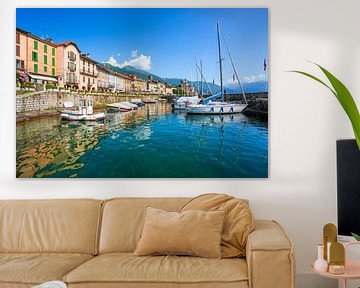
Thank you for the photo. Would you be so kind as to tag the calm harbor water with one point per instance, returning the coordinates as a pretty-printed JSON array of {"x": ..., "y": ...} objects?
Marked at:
[{"x": 150, "y": 142}]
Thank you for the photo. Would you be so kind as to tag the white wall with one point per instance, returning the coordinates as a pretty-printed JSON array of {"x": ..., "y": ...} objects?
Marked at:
[{"x": 305, "y": 121}]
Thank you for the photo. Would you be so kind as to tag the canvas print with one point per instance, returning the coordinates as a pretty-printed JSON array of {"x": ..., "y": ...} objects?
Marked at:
[{"x": 142, "y": 93}]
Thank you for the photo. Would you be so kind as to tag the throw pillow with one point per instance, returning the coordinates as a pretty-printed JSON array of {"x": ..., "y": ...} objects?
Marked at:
[
  {"x": 196, "y": 233},
  {"x": 238, "y": 224}
]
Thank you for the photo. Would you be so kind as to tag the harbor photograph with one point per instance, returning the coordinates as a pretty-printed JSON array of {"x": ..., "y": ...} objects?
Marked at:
[{"x": 142, "y": 93}]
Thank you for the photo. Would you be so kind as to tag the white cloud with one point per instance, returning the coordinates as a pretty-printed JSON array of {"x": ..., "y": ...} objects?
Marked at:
[
  {"x": 138, "y": 61},
  {"x": 134, "y": 53},
  {"x": 254, "y": 78}
]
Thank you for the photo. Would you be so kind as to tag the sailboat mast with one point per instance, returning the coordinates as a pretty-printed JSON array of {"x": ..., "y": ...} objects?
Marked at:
[
  {"x": 201, "y": 93},
  {"x": 220, "y": 61}
]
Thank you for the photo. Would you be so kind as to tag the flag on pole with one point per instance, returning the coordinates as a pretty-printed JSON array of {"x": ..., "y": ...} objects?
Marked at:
[
  {"x": 213, "y": 81},
  {"x": 233, "y": 77},
  {"x": 264, "y": 64}
]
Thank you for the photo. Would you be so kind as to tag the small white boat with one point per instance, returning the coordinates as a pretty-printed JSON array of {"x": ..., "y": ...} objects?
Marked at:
[
  {"x": 149, "y": 100},
  {"x": 121, "y": 106},
  {"x": 137, "y": 102},
  {"x": 84, "y": 112},
  {"x": 183, "y": 102},
  {"x": 132, "y": 105}
]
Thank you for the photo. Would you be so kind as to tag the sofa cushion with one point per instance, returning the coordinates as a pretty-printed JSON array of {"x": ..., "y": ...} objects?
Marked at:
[
  {"x": 126, "y": 268},
  {"x": 123, "y": 220},
  {"x": 62, "y": 226},
  {"x": 194, "y": 232},
  {"x": 239, "y": 220},
  {"x": 36, "y": 268}
]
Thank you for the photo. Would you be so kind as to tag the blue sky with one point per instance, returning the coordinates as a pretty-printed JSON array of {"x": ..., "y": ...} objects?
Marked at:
[{"x": 162, "y": 41}]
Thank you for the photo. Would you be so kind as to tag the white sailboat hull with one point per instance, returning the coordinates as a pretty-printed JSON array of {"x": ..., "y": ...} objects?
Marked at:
[{"x": 215, "y": 109}]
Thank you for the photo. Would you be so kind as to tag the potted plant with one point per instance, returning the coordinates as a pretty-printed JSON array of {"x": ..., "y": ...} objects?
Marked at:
[{"x": 345, "y": 99}]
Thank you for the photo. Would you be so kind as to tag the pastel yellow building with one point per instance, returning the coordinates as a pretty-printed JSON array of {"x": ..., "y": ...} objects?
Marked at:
[{"x": 36, "y": 56}]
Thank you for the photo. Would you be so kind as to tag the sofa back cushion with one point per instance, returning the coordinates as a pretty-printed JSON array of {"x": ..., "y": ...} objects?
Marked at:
[
  {"x": 123, "y": 220},
  {"x": 66, "y": 226}
]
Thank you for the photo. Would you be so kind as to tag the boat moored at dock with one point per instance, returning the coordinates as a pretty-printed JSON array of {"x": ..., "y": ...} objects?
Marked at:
[
  {"x": 137, "y": 102},
  {"x": 183, "y": 102},
  {"x": 149, "y": 100},
  {"x": 85, "y": 112},
  {"x": 215, "y": 108},
  {"x": 122, "y": 106}
]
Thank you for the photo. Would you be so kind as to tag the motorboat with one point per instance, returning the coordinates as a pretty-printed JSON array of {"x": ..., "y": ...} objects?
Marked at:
[
  {"x": 137, "y": 102},
  {"x": 149, "y": 100},
  {"x": 122, "y": 106},
  {"x": 183, "y": 102},
  {"x": 84, "y": 112}
]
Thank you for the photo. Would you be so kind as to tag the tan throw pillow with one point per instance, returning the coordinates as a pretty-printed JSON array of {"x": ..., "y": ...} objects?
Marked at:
[
  {"x": 196, "y": 233},
  {"x": 239, "y": 220}
]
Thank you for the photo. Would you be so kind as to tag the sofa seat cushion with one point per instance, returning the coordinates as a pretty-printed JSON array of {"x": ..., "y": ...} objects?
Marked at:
[
  {"x": 36, "y": 268},
  {"x": 127, "y": 268}
]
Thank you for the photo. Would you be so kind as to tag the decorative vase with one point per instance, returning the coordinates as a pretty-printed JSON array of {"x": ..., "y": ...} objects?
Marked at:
[{"x": 320, "y": 264}]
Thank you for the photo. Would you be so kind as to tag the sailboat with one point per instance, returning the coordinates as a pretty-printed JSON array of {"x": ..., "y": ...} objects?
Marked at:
[{"x": 210, "y": 104}]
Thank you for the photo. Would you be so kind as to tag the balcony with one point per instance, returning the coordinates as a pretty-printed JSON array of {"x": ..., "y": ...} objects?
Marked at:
[
  {"x": 71, "y": 79},
  {"x": 72, "y": 57},
  {"x": 87, "y": 73},
  {"x": 72, "y": 67}
]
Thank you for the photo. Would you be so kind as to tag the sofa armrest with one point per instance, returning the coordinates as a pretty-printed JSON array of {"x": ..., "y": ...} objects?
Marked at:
[{"x": 269, "y": 256}]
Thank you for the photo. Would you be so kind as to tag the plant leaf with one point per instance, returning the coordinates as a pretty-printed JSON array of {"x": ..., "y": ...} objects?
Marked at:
[
  {"x": 344, "y": 97},
  {"x": 357, "y": 237},
  {"x": 316, "y": 79},
  {"x": 347, "y": 102}
]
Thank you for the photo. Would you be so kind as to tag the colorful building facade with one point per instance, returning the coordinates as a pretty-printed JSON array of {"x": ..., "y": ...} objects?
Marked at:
[
  {"x": 68, "y": 65},
  {"x": 88, "y": 73},
  {"x": 36, "y": 56}
]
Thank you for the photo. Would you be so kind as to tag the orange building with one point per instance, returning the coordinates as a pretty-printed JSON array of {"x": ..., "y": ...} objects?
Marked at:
[{"x": 36, "y": 56}]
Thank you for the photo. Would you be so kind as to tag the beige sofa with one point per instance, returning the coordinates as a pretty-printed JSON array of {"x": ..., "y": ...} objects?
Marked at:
[{"x": 89, "y": 243}]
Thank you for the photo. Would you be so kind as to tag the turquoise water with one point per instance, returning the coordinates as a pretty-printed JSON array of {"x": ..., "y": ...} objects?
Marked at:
[{"x": 149, "y": 143}]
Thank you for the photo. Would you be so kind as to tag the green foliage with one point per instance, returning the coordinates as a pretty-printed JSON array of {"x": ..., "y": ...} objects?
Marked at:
[
  {"x": 344, "y": 97},
  {"x": 178, "y": 91},
  {"x": 356, "y": 236},
  {"x": 50, "y": 86}
]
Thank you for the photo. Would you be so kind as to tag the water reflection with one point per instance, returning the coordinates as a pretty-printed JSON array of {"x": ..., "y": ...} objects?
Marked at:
[{"x": 149, "y": 142}]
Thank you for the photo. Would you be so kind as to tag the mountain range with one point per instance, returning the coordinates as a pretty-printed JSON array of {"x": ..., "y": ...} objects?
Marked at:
[{"x": 252, "y": 87}]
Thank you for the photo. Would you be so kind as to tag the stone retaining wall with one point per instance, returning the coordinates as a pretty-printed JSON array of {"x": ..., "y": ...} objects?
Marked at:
[{"x": 40, "y": 101}]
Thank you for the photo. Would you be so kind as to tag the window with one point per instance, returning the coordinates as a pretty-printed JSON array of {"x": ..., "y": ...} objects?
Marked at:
[
  {"x": 53, "y": 61},
  {"x": 34, "y": 56},
  {"x": 45, "y": 48},
  {"x": 17, "y": 38},
  {"x": 53, "y": 72},
  {"x": 45, "y": 59},
  {"x": 71, "y": 56},
  {"x": 53, "y": 52},
  {"x": 18, "y": 64},
  {"x": 36, "y": 45},
  {"x": 84, "y": 79},
  {"x": 36, "y": 69},
  {"x": 72, "y": 66},
  {"x": 45, "y": 68},
  {"x": 93, "y": 81},
  {"x": 17, "y": 50}
]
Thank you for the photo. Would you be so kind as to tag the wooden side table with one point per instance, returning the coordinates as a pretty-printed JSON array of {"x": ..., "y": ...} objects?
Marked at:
[{"x": 352, "y": 268}]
